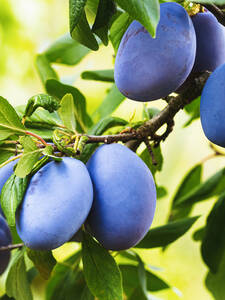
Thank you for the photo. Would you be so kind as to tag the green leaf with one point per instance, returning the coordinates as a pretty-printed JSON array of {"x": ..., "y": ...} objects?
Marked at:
[
  {"x": 79, "y": 27},
  {"x": 191, "y": 180},
  {"x": 100, "y": 271},
  {"x": 67, "y": 281},
  {"x": 118, "y": 29},
  {"x": 213, "y": 244},
  {"x": 29, "y": 158},
  {"x": 144, "y": 11},
  {"x": 106, "y": 9},
  {"x": 164, "y": 235},
  {"x": 198, "y": 235},
  {"x": 131, "y": 281},
  {"x": 215, "y": 185},
  {"x": 17, "y": 285},
  {"x": 67, "y": 112},
  {"x": 145, "y": 156},
  {"x": 40, "y": 118},
  {"x": 217, "y": 2},
  {"x": 43, "y": 261},
  {"x": 138, "y": 294},
  {"x": 193, "y": 109},
  {"x": 4, "y": 155},
  {"x": 9, "y": 120},
  {"x": 44, "y": 69},
  {"x": 99, "y": 75},
  {"x": 41, "y": 100},
  {"x": 66, "y": 51},
  {"x": 215, "y": 281},
  {"x": 103, "y": 125},
  {"x": 110, "y": 103},
  {"x": 59, "y": 90},
  {"x": 12, "y": 195}
]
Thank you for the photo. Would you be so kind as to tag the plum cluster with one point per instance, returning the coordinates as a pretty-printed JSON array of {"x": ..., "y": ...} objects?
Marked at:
[
  {"x": 149, "y": 68},
  {"x": 114, "y": 196}
]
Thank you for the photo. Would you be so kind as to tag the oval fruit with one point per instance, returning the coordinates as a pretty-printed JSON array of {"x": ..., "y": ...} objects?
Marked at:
[
  {"x": 5, "y": 240},
  {"x": 149, "y": 69},
  {"x": 212, "y": 112},
  {"x": 210, "y": 35},
  {"x": 124, "y": 197},
  {"x": 56, "y": 204}
]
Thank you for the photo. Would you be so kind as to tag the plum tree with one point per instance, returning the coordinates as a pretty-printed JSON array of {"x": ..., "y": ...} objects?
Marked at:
[
  {"x": 147, "y": 68},
  {"x": 56, "y": 204},
  {"x": 124, "y": 197},
  {"x": 5, "y": 173},
  {"x": 212, "y": 107},
  {"x": 5, "y": 240},
  {"x": 210, "y": 35}
]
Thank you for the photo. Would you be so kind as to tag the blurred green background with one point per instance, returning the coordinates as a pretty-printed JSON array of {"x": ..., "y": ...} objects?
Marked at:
[{"x": 27, "y": 28}]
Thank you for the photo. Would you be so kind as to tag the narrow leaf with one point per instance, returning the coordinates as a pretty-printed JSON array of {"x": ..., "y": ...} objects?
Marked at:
[
  {"x": 100, "y": 75},
  {"x": 166, "y": 234},
  {"x": 130, "y": 280},
  {"x": 67, "y": 112},
  {"x": 144, "y": 11},
  {"x": 215, "y": 281},
  {"x": 12, "y": 195},
  {"x": 213, "y": 244},
  {"x": 9, "y": 120},
  {"x": 79, "y": 27},
  {"x": 106, "y": 10},
  {"x": 118, "y": 29},
  {"x": 100, "y": 266},
  {"x": 191, "y": 180},
  {"x": 213, "y": 186},
  {"x": 110, "y": 103},
  {"x": 41, "y": 100},
  {"x": 43, "y": 261},
  {"x": 66, "y": 51},
  {"x": 17, "y": 285},
  {"x": 44, "y": 69},
  {"x": 59, "y": 90},
  {"x": 145, "y": 156},
  {"x": 30, "y": 156}
]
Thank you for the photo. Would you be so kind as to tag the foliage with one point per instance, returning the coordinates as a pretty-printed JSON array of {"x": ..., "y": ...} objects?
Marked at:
[{"x": 57, "y": 123}]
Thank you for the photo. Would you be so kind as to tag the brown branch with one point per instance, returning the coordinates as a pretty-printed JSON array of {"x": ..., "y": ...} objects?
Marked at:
[
  {"x": 218, "y": 13},
  {"x": 11, "y": 247},
  {"x": 175, "y": 103}
]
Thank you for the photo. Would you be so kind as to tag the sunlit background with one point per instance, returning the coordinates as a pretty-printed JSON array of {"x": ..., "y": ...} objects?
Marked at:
[{"x": 27, "y": 28}]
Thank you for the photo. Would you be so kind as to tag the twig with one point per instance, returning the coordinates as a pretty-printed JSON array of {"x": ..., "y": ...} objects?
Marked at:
[
  {"x": 11, "y": 247},
  {"x": 219, "y": 14},
  {"x": 154, "y": 162}
]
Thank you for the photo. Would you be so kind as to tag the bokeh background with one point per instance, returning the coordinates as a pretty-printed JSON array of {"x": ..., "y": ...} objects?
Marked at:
[{"x": 27, "y": 28}]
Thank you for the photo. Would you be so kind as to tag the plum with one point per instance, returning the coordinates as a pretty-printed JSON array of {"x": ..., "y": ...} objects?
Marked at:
[
  {"x": 56, "y": 204},
  {"x": 5, "y": 173},
  {"x": 212, "y": 105},
  {"x": 124, "y": 197},
  {"x": 149, "y": 68},
  {"x": 5, "y": 240},
  {"x": 210, "y": 35}
]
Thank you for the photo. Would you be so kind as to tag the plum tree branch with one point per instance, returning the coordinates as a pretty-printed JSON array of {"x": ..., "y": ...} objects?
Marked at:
[
  {"x": 192, "y": 89},
  {"x": 218, "y": 13}
]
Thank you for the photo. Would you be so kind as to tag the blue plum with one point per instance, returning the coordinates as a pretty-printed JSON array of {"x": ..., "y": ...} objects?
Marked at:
[
  {"x": 210, "y": 35},
  {"x": 148, "y": 69},
  {"x": 56, "y": 204},
  {"x": 124, "y": 197},
  {"x": 5, "y": 173},
  {"x": 212, "y": 107},
  {"x": 5, "y": 240}
]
